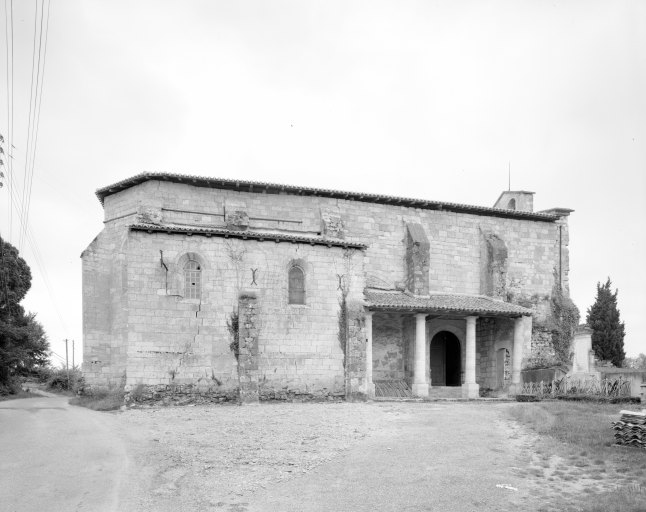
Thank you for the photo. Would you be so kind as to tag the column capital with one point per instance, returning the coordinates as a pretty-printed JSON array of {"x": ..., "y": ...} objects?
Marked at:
[
  {"x": 421, "y": 315},
  {"x": 369, "y": 313}
]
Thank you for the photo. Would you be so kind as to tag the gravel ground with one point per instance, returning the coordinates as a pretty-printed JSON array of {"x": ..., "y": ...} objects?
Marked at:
[
  {"x": 288, "y": 456},
  {"x": 208, "y": 457}
]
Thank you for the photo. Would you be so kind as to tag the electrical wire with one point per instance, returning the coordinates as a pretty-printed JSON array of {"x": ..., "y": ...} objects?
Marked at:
[
  {"x": 23, "y": 201},
  {"x": 39, "y": 260},
  {"x": 40, "y": 78},
  {"x": 10, "y": 104}
]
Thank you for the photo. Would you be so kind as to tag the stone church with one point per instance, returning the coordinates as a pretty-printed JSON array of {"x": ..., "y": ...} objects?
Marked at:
[{"x": 256, "y": 290}]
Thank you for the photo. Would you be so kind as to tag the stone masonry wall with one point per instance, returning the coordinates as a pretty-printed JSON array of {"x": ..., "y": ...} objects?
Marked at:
[
  {"x": 162, "y": 338},
  {"x": 175, "y": 341},
  {"x": 454, "y": 237},
  {"x": 105, "y": 303},
  {"x": 387, "y": 347}
]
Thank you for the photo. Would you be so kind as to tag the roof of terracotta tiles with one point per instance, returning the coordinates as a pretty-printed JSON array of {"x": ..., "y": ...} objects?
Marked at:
[
  {"x": 443, "y": 303},
  {"x": 274, "y": 188}
]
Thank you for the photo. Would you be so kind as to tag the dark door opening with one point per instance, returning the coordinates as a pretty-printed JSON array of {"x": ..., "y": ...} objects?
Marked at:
[{"x": 446, "y": 363}]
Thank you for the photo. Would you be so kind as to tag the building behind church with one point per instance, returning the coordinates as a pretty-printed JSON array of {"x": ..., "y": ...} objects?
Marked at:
[{"x": 257, "y": 290}]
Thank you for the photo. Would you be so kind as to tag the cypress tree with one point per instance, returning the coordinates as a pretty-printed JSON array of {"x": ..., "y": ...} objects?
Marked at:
[{"x": 608, "y": 329}]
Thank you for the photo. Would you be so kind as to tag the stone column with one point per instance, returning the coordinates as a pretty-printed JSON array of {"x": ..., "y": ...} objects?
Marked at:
[
  {"x": 516, "y": 357},
  {"x": 370, "y": 384},
  {"x": 470, "y": 388},
  {"x": 420, "y": 385}
]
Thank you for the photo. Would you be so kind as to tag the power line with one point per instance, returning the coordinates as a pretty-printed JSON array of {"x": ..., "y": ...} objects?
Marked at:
[
  {"x": 39, "y": 98},
  {"x": 38, "y": 258},
  {"x": 29, "y": 125},
  {"x": 40, "y": 78},
  {"x": 10, "y": 104}
]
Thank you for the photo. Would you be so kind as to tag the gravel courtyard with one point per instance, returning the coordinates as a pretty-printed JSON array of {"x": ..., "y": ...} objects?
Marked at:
[
  {"x": 332, "y": 456},
  {"x": 288, "y": 457}
]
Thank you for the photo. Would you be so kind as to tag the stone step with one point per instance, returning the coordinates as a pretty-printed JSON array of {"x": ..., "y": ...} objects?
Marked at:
[{"x": 445, "y": 392}]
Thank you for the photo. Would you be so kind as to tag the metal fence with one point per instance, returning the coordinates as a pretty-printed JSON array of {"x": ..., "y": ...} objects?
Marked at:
[{"x": 576, "y": 386}]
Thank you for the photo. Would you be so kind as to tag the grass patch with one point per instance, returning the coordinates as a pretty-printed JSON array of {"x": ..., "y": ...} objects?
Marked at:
[
  {"x": 101, "y": 400},
  {"x": 581, "y": 429},
  {"x": 630, "y": 499}
]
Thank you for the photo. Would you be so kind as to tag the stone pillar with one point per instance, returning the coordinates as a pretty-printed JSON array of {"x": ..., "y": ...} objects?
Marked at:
[
  {"x": 247, "y": 349},
  {"x": 420, "y": 385},
  {"x": 470, "y": 388},
  {"x": 355, "y": 352},
  {"x": 369, "y": 383},
  {"x": 516, "y": 357}
]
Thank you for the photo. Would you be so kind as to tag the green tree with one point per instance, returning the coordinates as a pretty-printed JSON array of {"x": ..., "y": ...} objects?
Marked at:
[
  {"x": 637, "y": 363},
  {"x": 23, "y": 343},
  {"x": 608, "y": 329}
]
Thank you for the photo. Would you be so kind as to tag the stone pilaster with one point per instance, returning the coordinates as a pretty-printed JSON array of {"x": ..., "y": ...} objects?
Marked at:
[
  {"x": 356, "y": 388},
  {"x": 248, "y": 348},
  {"x": 417, "y": 259}
]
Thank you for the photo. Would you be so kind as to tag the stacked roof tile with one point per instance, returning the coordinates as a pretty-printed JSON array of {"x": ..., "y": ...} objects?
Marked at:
[{"x": 631, "y": 429}]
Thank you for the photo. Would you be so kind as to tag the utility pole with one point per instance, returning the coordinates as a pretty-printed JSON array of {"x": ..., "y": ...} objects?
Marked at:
[
  {"x": 67, "y": 366},
  {"x": 73, "y": 365}
]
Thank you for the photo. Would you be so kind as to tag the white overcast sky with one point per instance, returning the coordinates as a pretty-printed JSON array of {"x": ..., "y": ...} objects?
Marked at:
[{"x": 428, "y": 99}]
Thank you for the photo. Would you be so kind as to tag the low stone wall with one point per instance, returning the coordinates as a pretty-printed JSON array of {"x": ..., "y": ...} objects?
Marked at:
[{"x": 636, "y": 378}]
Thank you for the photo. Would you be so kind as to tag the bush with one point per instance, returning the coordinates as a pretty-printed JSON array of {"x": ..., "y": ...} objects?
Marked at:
[
  {"x": 11, "y": 387},
  {"x": 528, "y": 398},
  {"x": 56, "y": 379},
  {"x": 101, "y": 399}
]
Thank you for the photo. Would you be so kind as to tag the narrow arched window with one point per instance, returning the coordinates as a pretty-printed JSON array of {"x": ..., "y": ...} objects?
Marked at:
[
  {"x": 296, "y": 285},
  {"x": 511, "y": 205},
  {"x": 192, "y": 280}
]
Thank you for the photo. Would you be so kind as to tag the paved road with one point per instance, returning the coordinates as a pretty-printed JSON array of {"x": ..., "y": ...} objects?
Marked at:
[
  {"x": 451, "y": 457},
  {"x": 54, "y": 456}
]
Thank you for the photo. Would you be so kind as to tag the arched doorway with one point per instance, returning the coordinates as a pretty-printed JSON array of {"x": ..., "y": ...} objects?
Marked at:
[{"x": 446, "y": 363}]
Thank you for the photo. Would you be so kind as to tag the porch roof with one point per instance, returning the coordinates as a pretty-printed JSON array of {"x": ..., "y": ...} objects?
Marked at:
[{"x": 462, "y": 304}]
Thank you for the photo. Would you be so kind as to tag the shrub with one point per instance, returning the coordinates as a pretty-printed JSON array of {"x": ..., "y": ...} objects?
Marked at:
[
  {"x": 101, "y": 399},
  {"x": 59, "y": 379},
  {"x": 528, "y": 398}
]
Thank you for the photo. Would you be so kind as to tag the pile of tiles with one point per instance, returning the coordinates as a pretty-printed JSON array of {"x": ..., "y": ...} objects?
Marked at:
[{"x": 631, "y": 429}]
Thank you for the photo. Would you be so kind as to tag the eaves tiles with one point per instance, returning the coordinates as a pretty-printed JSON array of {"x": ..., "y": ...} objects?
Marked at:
[
  {"x": 244, "y": 235},
  {"x": 274, "y": 188},
  {"x": 448, "y": 303}
]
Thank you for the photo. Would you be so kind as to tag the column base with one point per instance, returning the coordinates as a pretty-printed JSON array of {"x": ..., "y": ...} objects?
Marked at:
[
  {"x": 420, "y": 390},
  {"x": 470, "y": 390},
  {"x": 515, "y": 389},
  {"x": 370, "y": 390}
]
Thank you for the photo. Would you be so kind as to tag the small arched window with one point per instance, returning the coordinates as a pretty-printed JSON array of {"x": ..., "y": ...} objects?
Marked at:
[
  {"x": 511, "y": 205},
  {"x": 192, "y": 280},
  {"x": 296, "y": 285}
]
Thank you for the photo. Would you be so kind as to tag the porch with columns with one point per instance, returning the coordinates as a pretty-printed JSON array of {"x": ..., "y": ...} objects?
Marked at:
[{"x": 416, "y": 348}]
